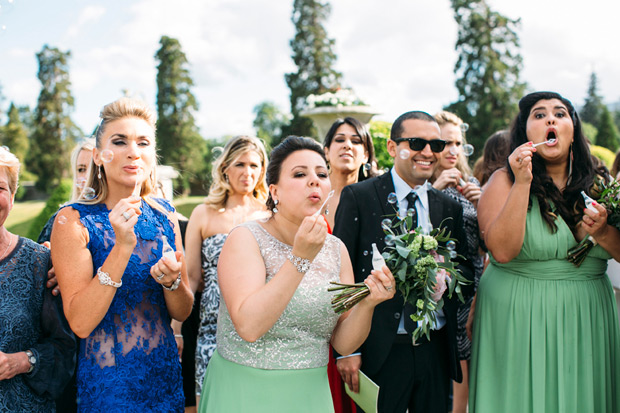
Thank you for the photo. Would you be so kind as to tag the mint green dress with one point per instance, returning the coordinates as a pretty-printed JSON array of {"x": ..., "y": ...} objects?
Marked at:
[
  {"x": 546, "y": 336},
  {"x": 286, "y": 369}
]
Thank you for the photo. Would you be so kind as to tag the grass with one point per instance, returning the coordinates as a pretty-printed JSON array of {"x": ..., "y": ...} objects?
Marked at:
[{"x": 18, "y": 221}]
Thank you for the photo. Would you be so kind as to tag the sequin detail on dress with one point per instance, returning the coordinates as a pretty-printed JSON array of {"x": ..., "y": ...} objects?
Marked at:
[{"x": 300, "y": 338}]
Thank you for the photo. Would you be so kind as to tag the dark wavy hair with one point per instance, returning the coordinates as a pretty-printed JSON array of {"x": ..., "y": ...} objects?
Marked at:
[
  {"x": 569, "y": 202},
  {"x": 279, "y": 154},
  {"x": 362, "y": 132},
  {"x": 496, "y": 150}
]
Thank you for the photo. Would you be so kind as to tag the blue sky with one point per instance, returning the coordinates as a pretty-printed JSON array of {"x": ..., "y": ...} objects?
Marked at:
[{"x": 397, "y": 55}]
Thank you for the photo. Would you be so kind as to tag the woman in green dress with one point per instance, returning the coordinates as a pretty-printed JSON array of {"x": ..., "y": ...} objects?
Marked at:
[
  {"x": 275, "y": 321},
  {"x": 546, "y": 335}
]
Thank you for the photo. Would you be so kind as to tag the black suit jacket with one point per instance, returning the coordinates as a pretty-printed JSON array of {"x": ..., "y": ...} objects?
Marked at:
[{"x": 358, "y": 224}]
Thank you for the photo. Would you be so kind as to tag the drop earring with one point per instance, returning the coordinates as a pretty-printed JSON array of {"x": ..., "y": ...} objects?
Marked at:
[
  {"x": 275, "y": 207},
  {"x": 99, "y": 172},
  {"x": 226, "y": 178}
]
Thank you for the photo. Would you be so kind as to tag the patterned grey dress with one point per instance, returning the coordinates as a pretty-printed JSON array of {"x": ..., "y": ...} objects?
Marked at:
[
  {"x": 470, "y": 219},
  {"x": 209, "y": 305}
]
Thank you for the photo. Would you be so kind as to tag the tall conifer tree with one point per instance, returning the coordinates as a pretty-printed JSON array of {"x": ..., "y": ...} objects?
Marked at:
[{"x": 593, "y": 106}]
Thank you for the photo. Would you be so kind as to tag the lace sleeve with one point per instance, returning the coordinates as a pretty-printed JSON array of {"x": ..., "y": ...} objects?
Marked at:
[{"x": 55, "y": 350}]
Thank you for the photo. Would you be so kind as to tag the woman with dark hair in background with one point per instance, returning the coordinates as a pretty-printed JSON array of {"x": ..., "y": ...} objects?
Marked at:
[
  {"x": 546, "y": 335},
  {"x": 276, "y": 321},
  {"x": 496, "y": 150},
  {"x": 237, "y": 194}
]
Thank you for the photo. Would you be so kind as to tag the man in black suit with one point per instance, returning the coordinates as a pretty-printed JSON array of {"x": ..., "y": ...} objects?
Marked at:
[{"x": 410, "y": 377}]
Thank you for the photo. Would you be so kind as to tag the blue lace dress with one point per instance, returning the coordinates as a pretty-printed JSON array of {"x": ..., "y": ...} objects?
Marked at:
[{"x": 130, "y": 361}]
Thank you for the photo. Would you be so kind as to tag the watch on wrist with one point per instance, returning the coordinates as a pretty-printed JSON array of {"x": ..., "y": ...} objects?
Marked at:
[
  {"x": 174, "y": 285},
  {"x": 302, "y": 264},
  {"x": 31, "y": 359}
]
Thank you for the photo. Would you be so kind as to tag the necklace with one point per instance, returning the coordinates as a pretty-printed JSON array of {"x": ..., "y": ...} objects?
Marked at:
[{"x": 7, "y": 247}]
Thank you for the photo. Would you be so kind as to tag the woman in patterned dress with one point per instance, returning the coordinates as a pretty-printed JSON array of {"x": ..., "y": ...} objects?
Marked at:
[
  {"x": 454, "y": 177},
  {"x": 237, "y": 194}
]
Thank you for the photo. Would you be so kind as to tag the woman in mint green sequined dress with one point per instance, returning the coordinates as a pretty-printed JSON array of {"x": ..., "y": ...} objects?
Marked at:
[
  {"x": 275, "y": 322},
  {"x": 546, "y": 335}
]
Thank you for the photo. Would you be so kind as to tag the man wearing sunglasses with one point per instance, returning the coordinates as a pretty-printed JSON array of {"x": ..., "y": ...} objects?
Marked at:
[{"x": 410, "y": 377}]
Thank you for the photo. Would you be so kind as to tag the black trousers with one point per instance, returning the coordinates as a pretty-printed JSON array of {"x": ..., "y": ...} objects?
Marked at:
[{"x": 415, "y": 377}]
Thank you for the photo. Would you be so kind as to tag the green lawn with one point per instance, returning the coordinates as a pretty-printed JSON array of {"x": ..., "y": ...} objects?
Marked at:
[{"x": 18, "y": 221}]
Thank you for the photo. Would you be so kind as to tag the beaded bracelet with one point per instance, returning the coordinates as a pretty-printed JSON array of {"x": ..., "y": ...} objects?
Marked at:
[{"x": 104, "y": 279}]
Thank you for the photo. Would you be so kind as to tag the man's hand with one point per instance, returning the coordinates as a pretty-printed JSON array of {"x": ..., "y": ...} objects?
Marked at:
[{"x": 349, "y": 368}]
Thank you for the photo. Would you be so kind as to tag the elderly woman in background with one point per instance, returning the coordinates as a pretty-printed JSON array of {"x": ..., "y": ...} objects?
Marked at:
[
  {"x": 237, "y": 194},
  {"x": 546, "y": 335},
  {"x": 121, "y": 280},
  {"x": 453, "y": 176},
  {"x": 276, "y": 321},
  {"x": 37, "y": 348}
]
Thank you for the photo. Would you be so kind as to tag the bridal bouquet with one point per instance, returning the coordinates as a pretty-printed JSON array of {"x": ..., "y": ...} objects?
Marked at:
[
  {"x": 422, "y": 267},
  {"x": 608, "y": 195}
]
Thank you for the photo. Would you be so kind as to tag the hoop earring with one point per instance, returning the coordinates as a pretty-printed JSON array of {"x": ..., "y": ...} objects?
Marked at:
[
  {"x": 99, "y": 172},
  {"x": 275, "y": 205}
]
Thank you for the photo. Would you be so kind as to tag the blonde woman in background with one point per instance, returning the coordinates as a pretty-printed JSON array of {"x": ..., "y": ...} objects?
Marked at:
[
  {"x": 453, "y": 176},
  {"x": 238, "y": 194},
  {"x": 119, "y": 290}
]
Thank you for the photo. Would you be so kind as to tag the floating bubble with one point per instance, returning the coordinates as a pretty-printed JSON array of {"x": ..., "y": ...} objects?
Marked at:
[
  {"x": 107, "y": 155},
  {"x": 62, "y": 219},
  {"x": 88, "y": 193},
  {"x": 6, "y": 148},
  {"x": 355, "y": 219},
  {"x": 453, "y": 254},
  {"x": 367, "y": 167},
  {"x": 392, "y": 198},
  {"x": 404, "y": 154},
  {"x": 451, "y": 245},
  {"x": 410, "y": 212},
  {"x": 390, "y": 240},
  {"x": 365, "y": 253},
  {"x": 468, "y": 149},
  {"x": 80, "y": 183},
  {"x": 386, "y": 170},
  {"x": 386, "y": 224},
  {"x": 454, "y": 150},
  {"x": 217, "y": 151},
  {"x": 464, "y": 127}
]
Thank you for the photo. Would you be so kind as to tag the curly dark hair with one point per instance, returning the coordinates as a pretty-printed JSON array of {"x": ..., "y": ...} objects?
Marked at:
[
  {"x": 568, "y": 202},
  {"x": 284, "y": 150}
]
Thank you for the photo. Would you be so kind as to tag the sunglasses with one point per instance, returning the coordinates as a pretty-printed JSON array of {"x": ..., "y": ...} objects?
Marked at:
[{"x": 418, "y": 144}]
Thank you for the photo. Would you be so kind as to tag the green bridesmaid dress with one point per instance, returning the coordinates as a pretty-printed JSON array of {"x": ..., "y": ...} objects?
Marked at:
[{"x": 546, "y": 335}]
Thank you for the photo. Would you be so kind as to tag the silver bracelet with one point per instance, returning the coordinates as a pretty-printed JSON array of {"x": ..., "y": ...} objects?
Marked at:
[
  {"x": 302, "y": 264},
  {"x": 178, "y": 336},
  {"x": 174, "y": 285},
  {"x": 104, "y": 279}
]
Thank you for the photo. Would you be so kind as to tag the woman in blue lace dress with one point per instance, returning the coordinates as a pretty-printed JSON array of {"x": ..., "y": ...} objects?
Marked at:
[
  {"x": 276, "y": 322},
  {"x": 237, "y": 194},
  {"x": 119, "y": 290},
  {"x": 37, "y": 348}
]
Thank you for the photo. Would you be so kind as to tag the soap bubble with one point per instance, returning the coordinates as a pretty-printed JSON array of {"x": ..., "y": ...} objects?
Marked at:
[
  {"x": 386, "y": 224},
  {"x": 62, "y": 219},
  {"x": 464, "y": 127},
  {"x": 6, "y": 148},
  {"x": 468, "y": 149},
  {"x": 410, "y": 212},
  {"x": 454, "y": 150},
  {"x": 107, "y": 155},
  {"x": 451, "y": 245},
  {"x": 404, "y": 154},
  {"x": 392, "y": 198},
  {"x": 365, "y": 253},
  {"x": 88, "y": 193},
  {"x": 453, "y": 254},
  {"x": 217, "y": 151},
  {"x": 367, "y": 167},
  {"x": 390, "y": 240},
  {"x": 80, "y": 183}
]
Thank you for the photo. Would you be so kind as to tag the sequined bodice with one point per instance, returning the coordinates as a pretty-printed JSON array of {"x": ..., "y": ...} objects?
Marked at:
[{"x": 300, "y": 337}]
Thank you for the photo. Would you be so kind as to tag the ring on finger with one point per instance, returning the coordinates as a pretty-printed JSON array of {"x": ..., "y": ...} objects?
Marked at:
[
  {"x": 160, "y": 276},
  {"x": 126, "y": 215},
  {"x": 389, "y": 288},
  {"x": 520, "y": 160}
]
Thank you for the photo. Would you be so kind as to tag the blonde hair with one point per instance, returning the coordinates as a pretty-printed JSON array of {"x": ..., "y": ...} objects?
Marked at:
[
  {"x": 119, "y": 109},
  {"x": 86, "y": 144},
  {"x": 12, "y": 165},
  {"x": 444, "y": 118},
  {"x": 220, "y": 189}
]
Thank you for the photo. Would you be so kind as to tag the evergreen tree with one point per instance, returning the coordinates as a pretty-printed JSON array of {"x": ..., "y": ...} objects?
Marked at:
[
  {"x": 593, "y": 107},
  {"x": 269, "y": 122},
  {"x": 314, "y": 57},
  {"x": 487, "y": 70},
  {"x": 608, "y": 135},
  {"x": 178, "y": 138},
  {"x": 54, "y": 130},
  {"x": 15, "y": 135}
]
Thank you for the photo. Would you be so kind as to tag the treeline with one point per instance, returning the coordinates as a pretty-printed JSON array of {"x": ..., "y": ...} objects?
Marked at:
[{"x": 487, "y": 79}]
